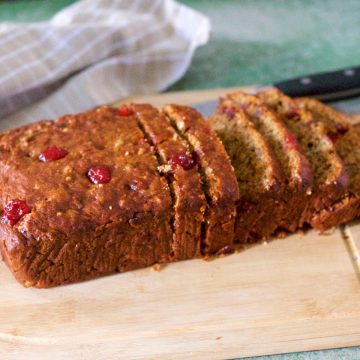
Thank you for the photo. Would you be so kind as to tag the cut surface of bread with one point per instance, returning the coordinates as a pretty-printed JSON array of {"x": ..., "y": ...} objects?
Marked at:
[
  {"x": 347, "y": 144},
  {"x": 218, "y": 176},
  {"x": 293, "y": 163},
  {"x": 259, "y": 177},
  {"x": 330, "y": 176}
]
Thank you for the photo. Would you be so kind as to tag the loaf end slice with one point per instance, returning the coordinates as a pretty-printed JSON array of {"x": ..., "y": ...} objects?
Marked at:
[{"x": 79, "y": 229}]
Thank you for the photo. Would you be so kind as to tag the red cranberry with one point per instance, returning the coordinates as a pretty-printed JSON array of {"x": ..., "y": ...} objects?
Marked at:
[
  {"x": 99, "y": 174},
  {"x": 125, "y": 111},
  {"x": 290, "y": 139},
  {"x": 187, "y": 162},
  {"x": 52, "y": 153},
  {"x": 333, "y": 136},
  {"x": 14, "y": 210},
  {"x": 341, "y": 128},
  {"x": 292, "y": 113},
  {"x": 228, "y": 112},
  {"x": 206, "y": 130}
]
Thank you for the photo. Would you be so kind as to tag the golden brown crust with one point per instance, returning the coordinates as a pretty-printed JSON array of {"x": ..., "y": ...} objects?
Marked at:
[
  {"x": 78, "y": 230},
  {"x": 219, "y": 178}
]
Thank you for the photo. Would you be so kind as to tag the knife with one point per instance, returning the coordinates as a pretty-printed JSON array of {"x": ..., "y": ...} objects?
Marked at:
[{"x": 326, "y": 86}]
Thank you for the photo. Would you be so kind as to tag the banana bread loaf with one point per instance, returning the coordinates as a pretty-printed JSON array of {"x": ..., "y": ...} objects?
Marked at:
[
  {"x": 295, "y": 166},
  {"x": 260, "y": 180},
  {"x": 119, "y": 189},
  {"x": 218, "y": 176}
]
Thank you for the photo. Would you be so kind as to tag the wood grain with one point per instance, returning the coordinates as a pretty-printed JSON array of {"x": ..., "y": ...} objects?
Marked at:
[
  {"x": 299, "y": 293},
  {"x": 295, "y": 294}
]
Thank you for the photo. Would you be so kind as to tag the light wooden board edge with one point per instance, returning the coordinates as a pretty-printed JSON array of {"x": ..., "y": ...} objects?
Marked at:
[{"x": 352, "y": 242}]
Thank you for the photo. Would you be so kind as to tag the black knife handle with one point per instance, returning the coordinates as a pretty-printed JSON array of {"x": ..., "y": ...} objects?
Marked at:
[{"x": 325, "y": 86}]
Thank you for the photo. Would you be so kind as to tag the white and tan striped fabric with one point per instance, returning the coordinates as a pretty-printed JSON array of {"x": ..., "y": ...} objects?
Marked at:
[{"x": 94, "y": 52}]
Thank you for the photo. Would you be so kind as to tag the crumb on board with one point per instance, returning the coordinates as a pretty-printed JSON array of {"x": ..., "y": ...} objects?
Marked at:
[
  {"x": 157, "y": 267},
  {"x": 327, "y": 232},
  {"x": 281, "y": 234}
]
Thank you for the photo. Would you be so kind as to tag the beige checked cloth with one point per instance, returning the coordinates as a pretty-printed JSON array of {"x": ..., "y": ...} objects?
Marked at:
[{"x": 94, "y": 52}]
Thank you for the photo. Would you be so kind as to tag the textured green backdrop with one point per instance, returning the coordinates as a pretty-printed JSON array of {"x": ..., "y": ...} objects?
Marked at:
[{"x": 255, "y": 41}]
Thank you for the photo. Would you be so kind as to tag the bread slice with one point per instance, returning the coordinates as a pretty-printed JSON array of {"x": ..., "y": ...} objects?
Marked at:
[
  {"x": 218, "y": 176},
  {"x": 260, "y": 180},
  {"x": 295, "y": 166},
  {"x": 185, "y": 182},
  {"x": 330, "y": 177},
  {"x": 346, "y": 140},
  {"x": 73, "y": 225}
]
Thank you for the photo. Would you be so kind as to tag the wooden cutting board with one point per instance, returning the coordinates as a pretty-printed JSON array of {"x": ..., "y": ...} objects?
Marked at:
[{"x": 294, "y": 294}]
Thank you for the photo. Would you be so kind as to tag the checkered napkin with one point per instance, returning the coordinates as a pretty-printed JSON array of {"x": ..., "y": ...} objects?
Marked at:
[{"x": 94, "y": 52}]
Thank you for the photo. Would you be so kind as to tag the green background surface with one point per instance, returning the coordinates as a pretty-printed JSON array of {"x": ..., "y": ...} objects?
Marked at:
[{"x": 253, "y": 42}]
